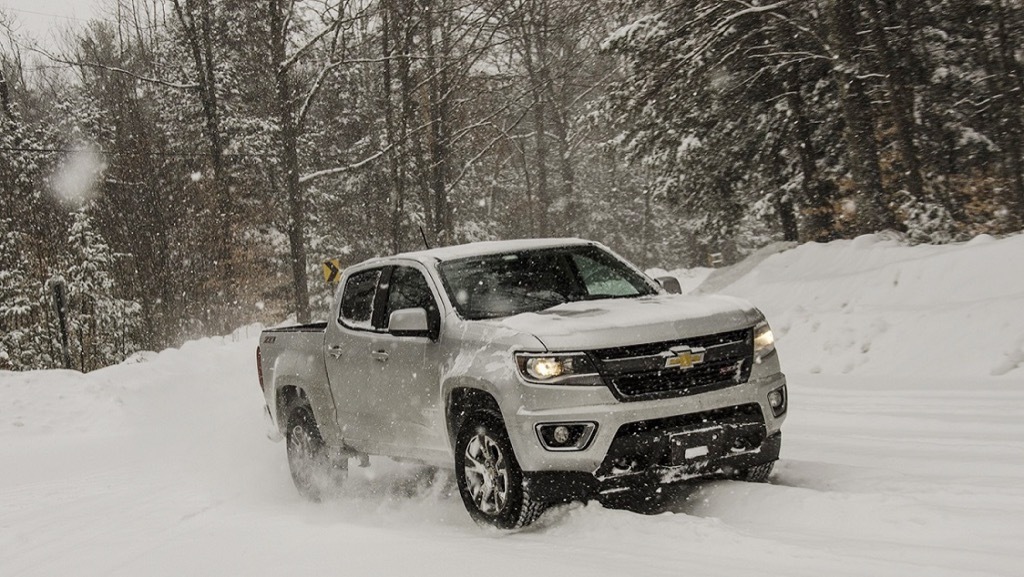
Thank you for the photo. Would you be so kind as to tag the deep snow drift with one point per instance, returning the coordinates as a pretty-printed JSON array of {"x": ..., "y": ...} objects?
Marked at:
[{"x": 903, "y": 453}]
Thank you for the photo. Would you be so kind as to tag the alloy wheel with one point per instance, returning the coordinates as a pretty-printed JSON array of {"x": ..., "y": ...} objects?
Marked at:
[{"x": 487, "y": 474}]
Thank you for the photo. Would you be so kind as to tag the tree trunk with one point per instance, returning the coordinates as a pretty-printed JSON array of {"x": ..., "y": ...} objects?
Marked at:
[
  {"x": 437, "y": 102},
  {"x": 199, "y": 38},
  {"x": 1012, "y": 85},
  {"x": 818, "y": 225},
  {"x": 396, "y": 184},
  {"x": 406, "y": 84},
  {"x": 411, "y": 116},
  {"x": 534, "y": 60},
  {"x": 901, "y": 92},
  {"x": 873, "y": 211},
  {"x": 565, "y": 163},
  {"x": 783, "y": 202},
  {"x": 645, "y": 228},
  {"x": 288, "y": 150},
  {"x": 5, "y": 97}
]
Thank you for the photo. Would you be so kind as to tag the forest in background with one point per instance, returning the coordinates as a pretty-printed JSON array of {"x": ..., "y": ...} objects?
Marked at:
[{"x": 182, "y": 167}]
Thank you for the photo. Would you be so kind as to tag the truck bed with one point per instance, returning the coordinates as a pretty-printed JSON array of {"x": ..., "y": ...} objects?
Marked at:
[{"x": 309, "y": 327}]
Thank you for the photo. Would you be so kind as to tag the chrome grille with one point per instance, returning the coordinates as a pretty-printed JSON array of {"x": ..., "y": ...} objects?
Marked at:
[{"x": 638, "y": 372}]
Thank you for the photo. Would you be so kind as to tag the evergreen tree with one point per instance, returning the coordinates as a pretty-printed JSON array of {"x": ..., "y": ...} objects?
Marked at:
[
  {"x": 102, "y": 326},
  {"x": 24, "y": 342}
]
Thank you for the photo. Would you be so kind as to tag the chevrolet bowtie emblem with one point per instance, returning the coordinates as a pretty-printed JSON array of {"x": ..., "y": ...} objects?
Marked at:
[{"x": 683, "y": 357}]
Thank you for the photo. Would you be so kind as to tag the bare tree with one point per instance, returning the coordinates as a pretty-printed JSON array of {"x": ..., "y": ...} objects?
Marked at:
[{"x": 294, "y": 96}]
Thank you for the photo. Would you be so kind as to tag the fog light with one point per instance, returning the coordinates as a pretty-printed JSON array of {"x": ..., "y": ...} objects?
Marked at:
[
  {"x": 566, "y": 436},
  {"x": 561, "y": 434},
  {"x": 777, "y": 401}
]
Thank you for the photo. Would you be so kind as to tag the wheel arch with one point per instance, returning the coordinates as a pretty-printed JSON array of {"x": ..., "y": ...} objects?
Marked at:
[
  {"x": 461, "y": 401},
  {"x": 292, "y": 390},
  {"x": 287, "y": 397}
]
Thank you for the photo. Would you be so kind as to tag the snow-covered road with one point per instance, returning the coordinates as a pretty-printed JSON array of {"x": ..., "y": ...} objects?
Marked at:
[{"x": 903, "y": 454}]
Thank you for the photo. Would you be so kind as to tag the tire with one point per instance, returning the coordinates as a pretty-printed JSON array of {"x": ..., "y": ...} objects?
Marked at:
[
  {"x": 758, "y": 474},
  {"x": 488, "y": 475},
  {"x": 313, "y": 472}
]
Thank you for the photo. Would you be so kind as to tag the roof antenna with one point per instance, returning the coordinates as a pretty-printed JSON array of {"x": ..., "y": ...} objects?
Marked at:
[{"x": 424, "y": 235}]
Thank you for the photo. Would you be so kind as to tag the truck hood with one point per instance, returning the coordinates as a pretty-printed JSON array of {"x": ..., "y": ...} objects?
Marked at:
[{"x": 619, "y": 322}]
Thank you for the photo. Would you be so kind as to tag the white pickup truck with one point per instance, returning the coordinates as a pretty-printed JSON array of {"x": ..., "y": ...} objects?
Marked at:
[{"x": 541, "y": 371}]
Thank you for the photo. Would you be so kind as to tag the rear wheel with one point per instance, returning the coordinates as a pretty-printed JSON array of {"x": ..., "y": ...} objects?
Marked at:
[
  {"x": 314, "y": 473},
  {"x": 489, "y": 478}
]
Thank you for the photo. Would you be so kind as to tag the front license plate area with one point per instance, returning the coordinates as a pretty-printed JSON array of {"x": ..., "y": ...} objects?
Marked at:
[
  {"x": 711, "y": 443},
  {"x": 695, "y": 452},
  {"x": 687, "y": 447}
]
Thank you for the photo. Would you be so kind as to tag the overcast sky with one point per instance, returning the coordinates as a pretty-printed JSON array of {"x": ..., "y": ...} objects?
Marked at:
[{"x": 44, "y": 19}]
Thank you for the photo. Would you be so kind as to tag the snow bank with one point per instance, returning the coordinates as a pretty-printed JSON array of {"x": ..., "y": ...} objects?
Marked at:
[{"x": 875, "y": 307}]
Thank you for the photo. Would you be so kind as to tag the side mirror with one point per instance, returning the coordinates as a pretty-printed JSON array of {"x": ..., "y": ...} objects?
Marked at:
[
  {"x": 670, "y": 284},
  {"x": 409, "y": 323}
]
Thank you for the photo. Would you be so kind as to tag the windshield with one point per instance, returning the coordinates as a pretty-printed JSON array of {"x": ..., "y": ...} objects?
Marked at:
[{"x": 500, "y": 285}]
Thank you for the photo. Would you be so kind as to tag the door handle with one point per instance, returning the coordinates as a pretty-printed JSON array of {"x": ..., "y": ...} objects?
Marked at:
[
  {"x": 334, "y": 351},
  {"x": 381, "y": 355}
]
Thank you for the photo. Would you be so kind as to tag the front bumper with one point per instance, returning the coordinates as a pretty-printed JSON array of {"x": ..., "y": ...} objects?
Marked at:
[
  {"x": 648, "y": 442},
  {"x": 564, "y": 486}
]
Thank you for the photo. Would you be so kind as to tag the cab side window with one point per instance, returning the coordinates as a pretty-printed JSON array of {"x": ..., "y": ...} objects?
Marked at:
[
  {"x": 408, "y": 290},
  {"x": 357, "y": 299}
]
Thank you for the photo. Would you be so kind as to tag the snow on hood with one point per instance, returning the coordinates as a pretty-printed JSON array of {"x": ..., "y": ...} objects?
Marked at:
[{"x": 627, "y": 321}]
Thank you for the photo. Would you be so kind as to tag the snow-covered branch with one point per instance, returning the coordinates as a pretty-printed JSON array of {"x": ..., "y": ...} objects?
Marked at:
[
  {"x": 343, "y": 169},
  {"x": 117, "y": 70}
]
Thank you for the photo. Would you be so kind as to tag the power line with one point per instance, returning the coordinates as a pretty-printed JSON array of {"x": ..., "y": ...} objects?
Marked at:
[
  {"x": 135, "y": 153},
  {"x": 75, "y": 18},
  {"x": 23, "y": 11}
]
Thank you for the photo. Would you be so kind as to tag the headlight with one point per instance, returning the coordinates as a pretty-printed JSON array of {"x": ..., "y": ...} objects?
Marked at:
[
  {"x": 764, "y": 340},
  {"x": 560, "y": 369}
]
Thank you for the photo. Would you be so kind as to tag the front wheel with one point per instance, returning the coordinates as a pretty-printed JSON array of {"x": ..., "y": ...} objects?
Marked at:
[
  {"x": 489, "y": 478},
  {"x": 313, "y": 472},
  {"x": 758, "y": 474}
]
